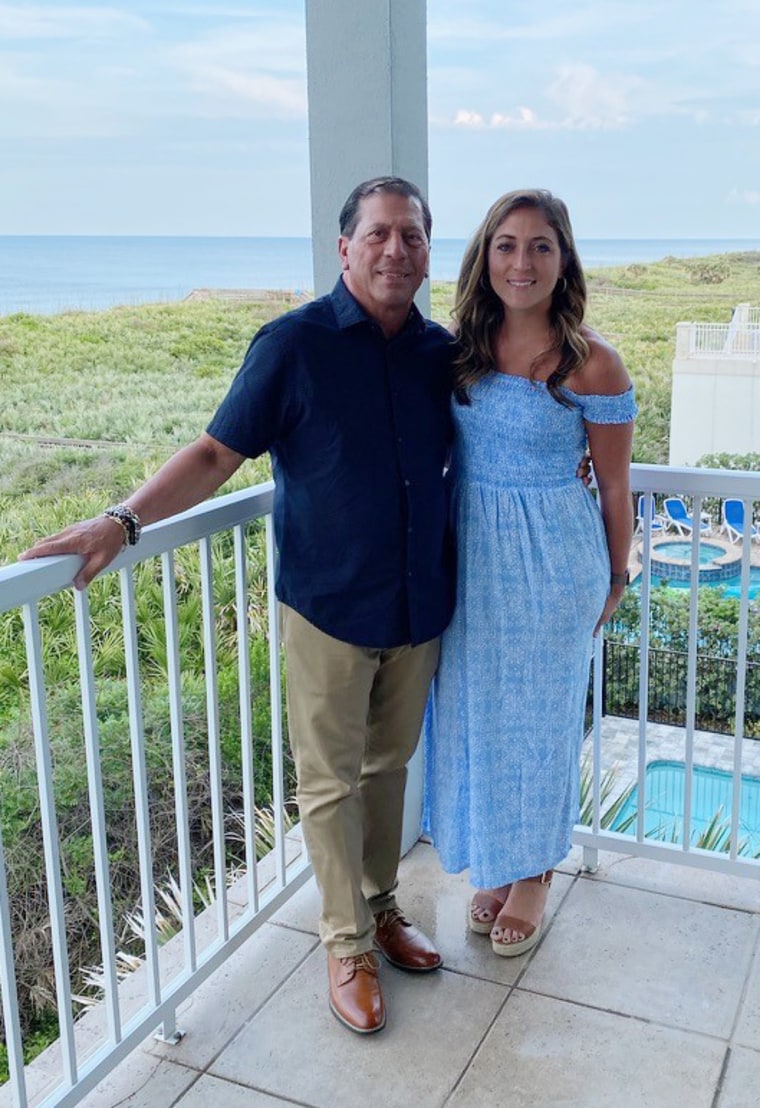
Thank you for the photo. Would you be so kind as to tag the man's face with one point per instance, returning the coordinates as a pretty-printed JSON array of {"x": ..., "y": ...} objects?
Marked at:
[{"x": 385, "y": 260}]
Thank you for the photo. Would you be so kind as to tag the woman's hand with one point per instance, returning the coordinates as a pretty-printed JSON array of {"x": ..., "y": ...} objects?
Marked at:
[
  {"x": 583, "y": 472},
  {"x": 614, "y": 597}
]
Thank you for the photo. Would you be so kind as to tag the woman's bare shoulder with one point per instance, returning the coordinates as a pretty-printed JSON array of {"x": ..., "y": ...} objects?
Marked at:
[{"x": 603, "y": 373}]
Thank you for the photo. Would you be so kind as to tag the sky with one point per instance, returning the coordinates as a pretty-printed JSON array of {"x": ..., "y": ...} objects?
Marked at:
[{"x": 177, "y": 117}]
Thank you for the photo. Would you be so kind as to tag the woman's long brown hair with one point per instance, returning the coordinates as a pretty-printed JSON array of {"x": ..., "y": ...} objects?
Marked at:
[{"x": 479, "y": 313}]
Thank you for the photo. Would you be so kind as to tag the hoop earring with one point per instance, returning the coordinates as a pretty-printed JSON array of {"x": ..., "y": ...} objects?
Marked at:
[
  {"x": 562, "y": 290},
  {"x": 483, "y": 284}
]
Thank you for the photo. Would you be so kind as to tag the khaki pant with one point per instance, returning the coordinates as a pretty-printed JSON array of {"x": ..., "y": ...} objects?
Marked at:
[{"x": 354, "y": 716}]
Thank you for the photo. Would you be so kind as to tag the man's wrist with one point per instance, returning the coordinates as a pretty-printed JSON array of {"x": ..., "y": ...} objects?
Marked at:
[
  {"x": 128, "y": 520},
  {"x": 620, "y": 578}
]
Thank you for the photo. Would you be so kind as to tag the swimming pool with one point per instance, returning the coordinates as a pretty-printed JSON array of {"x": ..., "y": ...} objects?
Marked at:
[
  {"x": 732, "y": 586},
  {"x": 708, "y": 551},
  {"x": 719, "y": 566},
  {"x": 711, "y": 793}
]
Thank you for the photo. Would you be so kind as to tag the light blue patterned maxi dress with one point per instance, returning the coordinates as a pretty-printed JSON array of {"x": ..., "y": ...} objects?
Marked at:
[{"x": 504, "y": 722}]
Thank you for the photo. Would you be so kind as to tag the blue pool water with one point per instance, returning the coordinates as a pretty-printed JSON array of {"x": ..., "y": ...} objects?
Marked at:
[
  {"x": 732, "y": 586},
  {"x": 707, "y": 551},
  {"x": 711, "y": 793}
]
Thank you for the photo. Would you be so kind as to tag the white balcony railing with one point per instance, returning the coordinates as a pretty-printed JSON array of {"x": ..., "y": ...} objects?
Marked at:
[
  {"x": 25, "y": 587},
  {"x": 698, "y": 485},
  {"x": 724, "y": 340},
  {"x": 30, "y": 588}
]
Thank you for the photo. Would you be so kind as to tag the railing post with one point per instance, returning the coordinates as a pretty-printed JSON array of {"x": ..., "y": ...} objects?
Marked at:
[{"x": 11, "y": 1017}]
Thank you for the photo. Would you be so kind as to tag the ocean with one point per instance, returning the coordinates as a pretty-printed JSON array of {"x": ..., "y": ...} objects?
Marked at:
[{"x": 44, "y": 274}]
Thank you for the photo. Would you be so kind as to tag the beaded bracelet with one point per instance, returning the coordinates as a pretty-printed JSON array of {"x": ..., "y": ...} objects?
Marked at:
[{"x": 129, "y": 520}]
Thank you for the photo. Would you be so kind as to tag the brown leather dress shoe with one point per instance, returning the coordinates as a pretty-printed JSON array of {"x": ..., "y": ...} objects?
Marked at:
[
  {"x": 355, "y": 995},
  {"x": 402, "y": 944}
]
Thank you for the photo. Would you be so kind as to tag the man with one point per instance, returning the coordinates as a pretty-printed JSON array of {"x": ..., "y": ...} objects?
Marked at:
[{"x": 350, "y": 394}]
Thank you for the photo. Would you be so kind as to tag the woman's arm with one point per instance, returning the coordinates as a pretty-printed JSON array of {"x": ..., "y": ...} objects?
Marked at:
[
  {"x": 611, "y": 444},
  {"x": 611, "y": 451}
]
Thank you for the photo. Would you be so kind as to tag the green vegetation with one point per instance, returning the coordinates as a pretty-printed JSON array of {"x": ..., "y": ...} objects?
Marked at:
[
  {"x": 94, "y": 402},
  {"x": 133, "y": 383}
]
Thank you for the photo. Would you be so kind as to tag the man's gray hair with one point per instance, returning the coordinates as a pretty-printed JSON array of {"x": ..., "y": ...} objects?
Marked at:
[{"x": 349, "y": 214}]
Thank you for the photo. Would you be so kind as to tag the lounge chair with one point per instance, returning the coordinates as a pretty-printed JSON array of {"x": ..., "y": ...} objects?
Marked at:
[
  {"x": 733, "y": 521},
  {"x": 656, "y": 521},
  {"x": 676, "y": 515}
]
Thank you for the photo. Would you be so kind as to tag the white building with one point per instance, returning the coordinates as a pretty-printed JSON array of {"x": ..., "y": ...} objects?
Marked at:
[{"x": 716, "y": 388}]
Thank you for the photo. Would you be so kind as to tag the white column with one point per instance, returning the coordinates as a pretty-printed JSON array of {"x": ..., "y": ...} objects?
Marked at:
[{"x": 367, "y": 83}]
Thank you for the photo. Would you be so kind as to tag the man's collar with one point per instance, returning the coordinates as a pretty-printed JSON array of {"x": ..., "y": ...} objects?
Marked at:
[{"x": 349, "y": 312}]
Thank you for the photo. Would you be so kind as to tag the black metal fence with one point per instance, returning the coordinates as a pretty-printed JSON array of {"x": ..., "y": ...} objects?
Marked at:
[{"x": 715, "y": 689}]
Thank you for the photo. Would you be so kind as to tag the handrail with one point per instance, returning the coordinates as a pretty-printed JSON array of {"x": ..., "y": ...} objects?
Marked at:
[
  {"x": 24, "y": 586},
  {"x": 24, "y": 582},
  {"x": 724, "y": 340}
]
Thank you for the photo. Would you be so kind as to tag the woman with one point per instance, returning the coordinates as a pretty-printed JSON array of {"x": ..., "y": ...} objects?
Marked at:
[{"x": 541, "y": 565}]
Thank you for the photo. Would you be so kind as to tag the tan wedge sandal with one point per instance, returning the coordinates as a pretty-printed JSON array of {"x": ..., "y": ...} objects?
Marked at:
[
  {"x": 507, "y": 948},
  {"x": 484, "y": 902}
]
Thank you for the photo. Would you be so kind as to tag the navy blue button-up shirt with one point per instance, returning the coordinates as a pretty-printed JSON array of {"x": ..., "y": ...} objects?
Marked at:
[{"x": 359, "y": 429}]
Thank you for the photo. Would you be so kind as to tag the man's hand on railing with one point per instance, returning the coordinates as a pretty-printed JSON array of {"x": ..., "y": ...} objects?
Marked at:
[
  {"x": 97, "y": 540},
  {"x": 189, "y": 476}
]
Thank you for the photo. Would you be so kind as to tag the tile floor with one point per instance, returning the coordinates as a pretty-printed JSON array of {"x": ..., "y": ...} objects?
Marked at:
[{"x": 644, "y": 990}]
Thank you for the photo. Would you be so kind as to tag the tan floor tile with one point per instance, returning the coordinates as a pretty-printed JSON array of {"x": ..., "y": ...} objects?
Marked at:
[
  {"x": 210, "y": 1092},
  {"x": 656, "y": 957},
  {"x": 220, "y": 1007},
  {"x": 741, "y": 1084},
  {"x": 302, "y": 910},
  {"x": 748, "y": 1027},
  {"x": 544, "y": 1053},
  {"x": 142, "y": 1082},
  {"x": 707, "y": 886},
  {"x": 435, "y": 1022}
]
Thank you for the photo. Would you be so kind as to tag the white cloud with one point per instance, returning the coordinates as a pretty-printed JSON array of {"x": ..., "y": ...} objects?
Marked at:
[
  {"x": 468, "y": 119},
  {"x": 580, "y": 98},
  {"x": 592, "y": 101},
  {"x": 17, "y": 87},
  {"x": 581, "y": 23},
  {"x": 258, "y": 90},
  {"x": 588, "y": 101},
  {"x": 750, "y": 197},
  {"x": 35, "y": 21},
  {"x": 244, "y": 73},
  {"x": 524, "y": 119},
  {"x": 458, "y": 29}
]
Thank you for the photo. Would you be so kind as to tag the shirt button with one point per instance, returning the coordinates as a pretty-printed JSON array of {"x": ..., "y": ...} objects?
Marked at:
[{"x": 407, "y": 483}]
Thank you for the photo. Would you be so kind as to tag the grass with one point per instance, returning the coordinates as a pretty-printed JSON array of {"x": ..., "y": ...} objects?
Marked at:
[{"x": 128, "y": 385}]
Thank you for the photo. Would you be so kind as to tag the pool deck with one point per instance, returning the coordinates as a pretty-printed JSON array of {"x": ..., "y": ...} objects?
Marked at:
[{"x": 620, "y": 748}]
